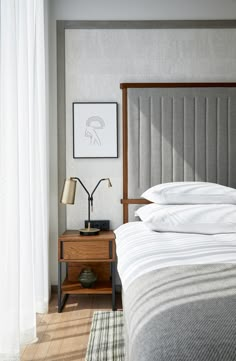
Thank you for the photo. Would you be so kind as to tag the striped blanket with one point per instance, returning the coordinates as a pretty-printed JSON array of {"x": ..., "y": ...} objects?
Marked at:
[
  {"x": 184, "y": 313},
  {"x": 179, "y": 294}
]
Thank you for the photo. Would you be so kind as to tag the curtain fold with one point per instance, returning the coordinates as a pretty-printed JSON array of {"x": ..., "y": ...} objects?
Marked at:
[{"x": 23, "y": 174}]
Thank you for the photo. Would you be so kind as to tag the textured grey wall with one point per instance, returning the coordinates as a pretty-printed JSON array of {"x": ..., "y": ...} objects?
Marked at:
[{"x": 168, "y": 70}]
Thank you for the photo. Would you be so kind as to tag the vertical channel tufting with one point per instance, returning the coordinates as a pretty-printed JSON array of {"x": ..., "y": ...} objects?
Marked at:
[
  {"x": 228, "y": 155},
  {"x": 211, "y": 136},
  {"x": 200, "y": 136},
  {"x": 178, "y": 139},
  {"x": 183, "y": 176},
  {"x": 223, "y": 141},
  {"x": 161, "y": 147},
  {"x": 150, "y": 140},
  {"x": 194, "y": 132},
  {"x": 144, "y": 142},
  {"x": 217, "y": 139},
  {"x": 167, "y": 139},
  {"x": 189, "y": 139},
  {"x": 133, "y": 142},
  {"x": 206, "y": 139},
  {"x": 139, "y": 130},
  {"x": 178, "y": 134},
  {"x": 172, "y": 139},
  {"x": 232, "y": 142},
  {"x": 156, "y": 137}
]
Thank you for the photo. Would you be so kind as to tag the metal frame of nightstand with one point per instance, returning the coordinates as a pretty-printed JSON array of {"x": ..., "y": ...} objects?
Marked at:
[{"x": 62, "y": 300}]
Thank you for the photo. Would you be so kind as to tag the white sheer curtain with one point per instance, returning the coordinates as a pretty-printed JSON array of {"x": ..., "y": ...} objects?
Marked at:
[{"x": 23, "y": 174}]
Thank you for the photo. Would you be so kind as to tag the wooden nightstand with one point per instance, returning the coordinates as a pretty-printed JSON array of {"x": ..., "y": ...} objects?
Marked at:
[{"x": 78, "y": 252}]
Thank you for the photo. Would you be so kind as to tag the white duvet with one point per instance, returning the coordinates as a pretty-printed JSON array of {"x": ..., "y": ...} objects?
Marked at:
[{"x": 141, "y": 250}]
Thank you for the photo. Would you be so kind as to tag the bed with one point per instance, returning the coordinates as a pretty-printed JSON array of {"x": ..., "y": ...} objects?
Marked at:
[{"x": 179, "y": 288}]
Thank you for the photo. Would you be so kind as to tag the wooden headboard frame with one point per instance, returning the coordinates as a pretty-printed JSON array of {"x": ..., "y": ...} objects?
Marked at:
[{"x": 125, "y": 86}]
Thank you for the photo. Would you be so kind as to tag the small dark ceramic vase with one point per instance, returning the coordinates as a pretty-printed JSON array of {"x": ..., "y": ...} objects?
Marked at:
[{"x": 87, "y": 278}]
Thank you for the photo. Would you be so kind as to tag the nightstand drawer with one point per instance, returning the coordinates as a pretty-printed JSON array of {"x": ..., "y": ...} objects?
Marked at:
[{"x": 89, "y": 250}]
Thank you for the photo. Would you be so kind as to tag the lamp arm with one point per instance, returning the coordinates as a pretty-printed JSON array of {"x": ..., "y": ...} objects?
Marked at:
[
  {"x": 82, "y": 185},
  {"x": 96, "y": 187},
  {"x": 89, "y": 198}
]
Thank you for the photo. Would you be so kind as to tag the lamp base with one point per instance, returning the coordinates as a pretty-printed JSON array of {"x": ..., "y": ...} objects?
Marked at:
[{"x": 89, "y": 231}]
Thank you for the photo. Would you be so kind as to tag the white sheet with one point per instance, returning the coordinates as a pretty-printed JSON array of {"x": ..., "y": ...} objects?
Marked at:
[{"x": 140, "y": 250}]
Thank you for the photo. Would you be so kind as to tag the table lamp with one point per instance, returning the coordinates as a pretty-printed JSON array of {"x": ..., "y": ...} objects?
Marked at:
[{"x": 68, "y": 197}]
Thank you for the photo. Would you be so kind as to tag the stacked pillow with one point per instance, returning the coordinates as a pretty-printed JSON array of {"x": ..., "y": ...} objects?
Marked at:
[{"x": 192, "y": 207}]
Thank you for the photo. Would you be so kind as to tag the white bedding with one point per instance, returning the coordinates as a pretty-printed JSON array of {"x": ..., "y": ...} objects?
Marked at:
[
  {"x": 189, "y": 218},
  {"x": 141, "y": 250},
  {"x": 190, "y": 193}
]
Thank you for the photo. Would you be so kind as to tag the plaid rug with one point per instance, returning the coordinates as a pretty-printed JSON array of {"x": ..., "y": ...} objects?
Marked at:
[{"x": 106, "y": 341}]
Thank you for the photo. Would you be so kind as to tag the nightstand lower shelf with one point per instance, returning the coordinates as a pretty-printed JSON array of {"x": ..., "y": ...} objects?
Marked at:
[{"x": 101, "y": 287}]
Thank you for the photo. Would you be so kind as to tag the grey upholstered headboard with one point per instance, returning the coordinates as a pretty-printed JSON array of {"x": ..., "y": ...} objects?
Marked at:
[{"x": 177, "y": 132}]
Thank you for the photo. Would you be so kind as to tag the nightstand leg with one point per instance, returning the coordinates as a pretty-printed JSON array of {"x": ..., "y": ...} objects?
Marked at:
[
  {"x": 61, "y": 301},
  {"x": 113, "y": 277},
  {"x": 62, "y": 304}
]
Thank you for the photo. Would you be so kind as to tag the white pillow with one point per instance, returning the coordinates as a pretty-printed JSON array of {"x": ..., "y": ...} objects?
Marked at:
[
  {"x": 190, "y": 193},
  {"x": 204, "y": 218}
]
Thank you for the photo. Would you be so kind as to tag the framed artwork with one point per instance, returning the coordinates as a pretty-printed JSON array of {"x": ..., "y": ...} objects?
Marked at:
[{"x": 95, "y": 133}]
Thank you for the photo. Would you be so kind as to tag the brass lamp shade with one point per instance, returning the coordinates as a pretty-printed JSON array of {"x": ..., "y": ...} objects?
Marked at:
[{"x": 68, "y": 193}]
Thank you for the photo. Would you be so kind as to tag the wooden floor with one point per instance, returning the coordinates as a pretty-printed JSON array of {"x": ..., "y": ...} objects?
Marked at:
[{"x": 64, "y": 336}]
